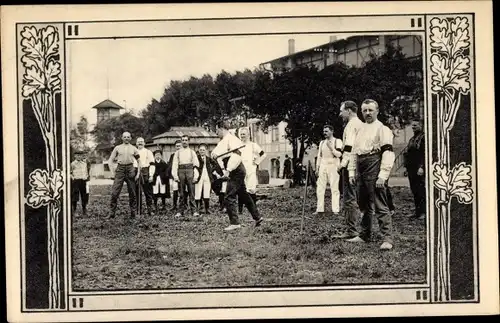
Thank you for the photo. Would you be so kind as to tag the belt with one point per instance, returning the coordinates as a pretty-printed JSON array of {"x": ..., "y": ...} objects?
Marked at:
[
  {"x": 370, "y": 153},
  {"x": 186, "y": 166},
  {"x": 125, "y": 164}
]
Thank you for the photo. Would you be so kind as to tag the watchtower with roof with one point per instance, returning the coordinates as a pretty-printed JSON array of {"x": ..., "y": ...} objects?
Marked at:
[{"x": 107, "y": 109}]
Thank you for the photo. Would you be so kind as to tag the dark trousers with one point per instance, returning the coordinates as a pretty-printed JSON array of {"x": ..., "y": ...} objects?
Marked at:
[
  {"x": 350, "y": 203},
  {"x": 79, "y": 190},
  {"x": 373, "y": 200},
  {"x": 145, "y": 187},
  {"x": 186, "y": 176},
  {"x": 390, "y": 202},
  {"x": 417, "y": 186},
  {"x": 236, "y": 190},
  {"x": 124, "y": 173}
]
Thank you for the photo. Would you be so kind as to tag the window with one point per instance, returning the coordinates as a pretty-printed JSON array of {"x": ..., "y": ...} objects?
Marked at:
[{"x": 275, "y": 134}]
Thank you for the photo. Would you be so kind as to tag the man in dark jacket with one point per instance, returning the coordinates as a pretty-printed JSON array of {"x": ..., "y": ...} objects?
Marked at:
[
  {"x": 161, "y": 185},
  {"x": 415, "y": 167},
  {"x": 203, "y": 186}
]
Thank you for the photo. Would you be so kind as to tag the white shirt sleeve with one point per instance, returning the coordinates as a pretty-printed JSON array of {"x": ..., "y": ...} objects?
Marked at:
[
  {"x": 388, "y": 156},
  {"x": 175, "y": 165},
  {"x": 350, "y": 136},
  {"x": 234, "y": 159}
]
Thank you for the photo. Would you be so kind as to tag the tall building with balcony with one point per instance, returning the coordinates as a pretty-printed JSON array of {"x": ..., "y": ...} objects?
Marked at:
[{"x": 352, "y": 51}]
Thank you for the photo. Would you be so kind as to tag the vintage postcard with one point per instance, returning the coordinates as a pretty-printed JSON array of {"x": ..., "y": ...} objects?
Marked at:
[{"x": 230, "y": 161}]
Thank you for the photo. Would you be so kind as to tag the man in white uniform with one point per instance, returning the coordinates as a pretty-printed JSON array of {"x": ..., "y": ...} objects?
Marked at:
[
  {"x": 145, "y": 167},
  {"x": 328, "y": 160},
  {"x": 251, "y": 156},
  {"x": 228, "y": 155},
  {"x": 349, "y": 113},
  {"x": 370, "y": 164}
]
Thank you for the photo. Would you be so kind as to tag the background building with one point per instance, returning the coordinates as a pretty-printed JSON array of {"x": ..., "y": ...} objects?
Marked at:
[
  {"x": 353, "y": 51},
  {"x": 197, "y": 136}
]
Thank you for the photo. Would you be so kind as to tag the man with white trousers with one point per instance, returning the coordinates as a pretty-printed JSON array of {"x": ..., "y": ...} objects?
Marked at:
[
  {"x": 328, "y": 160},
  {"x": 251, "y": 156}
]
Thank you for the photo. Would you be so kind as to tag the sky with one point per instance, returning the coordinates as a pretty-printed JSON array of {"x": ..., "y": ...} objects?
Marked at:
[{"x": 131, "y": 72}]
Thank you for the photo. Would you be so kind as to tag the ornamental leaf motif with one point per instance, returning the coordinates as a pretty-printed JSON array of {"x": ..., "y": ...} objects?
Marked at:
[
  {"x": 460, "y": 183},
  {"x": 45, "y": 189},
  {"x": 440, "y": 37},
  {"x": 460, "y": 33},
  {"x": 439, "y": 73},
  {"x": 459, "y": 74},
  {"x": 441, "y": 176}
]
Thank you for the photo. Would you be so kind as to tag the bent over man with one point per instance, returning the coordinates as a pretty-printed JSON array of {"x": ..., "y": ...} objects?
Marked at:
[
  {"x": 124, "y": 154},
  {"x": 228, "y": 156},
  {"x": 371, "y": 162},
  {"x": 251, "y": 156}
]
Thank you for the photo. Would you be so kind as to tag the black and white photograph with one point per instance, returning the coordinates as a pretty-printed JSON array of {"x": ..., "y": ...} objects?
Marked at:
[{"x": 229, "y": 164}]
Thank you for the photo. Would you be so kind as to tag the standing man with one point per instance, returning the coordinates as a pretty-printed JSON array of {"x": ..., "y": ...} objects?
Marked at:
[
  {"x": 145, "y": 169},
  {"x": 349, "y": 113},
  {"x": 124, "y": 154},
  {"x": 371, "y": 162},
  {"x": 251, "y": 157},
  {"x": 329, "y": 154},
  {"x": 228, "y": 156},
  {"x": 287, "y": 167},
  {"x": 161, "y": 187},
  {"x": 173, "y": 183},
  {"x": 185, "y": 166},
  {"x": 80, "y": 176},
  {"x": 278, "y": 165},
  {"x": 204, "y": 184},
  {"x": 415, "y": 167}
]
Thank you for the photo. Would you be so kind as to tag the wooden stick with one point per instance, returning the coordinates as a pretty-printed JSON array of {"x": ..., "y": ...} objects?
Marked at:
[{"x": 304, "y": 200}]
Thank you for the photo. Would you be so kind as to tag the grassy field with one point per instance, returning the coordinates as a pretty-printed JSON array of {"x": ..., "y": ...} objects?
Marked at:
[{"x": 162, "y": 252}]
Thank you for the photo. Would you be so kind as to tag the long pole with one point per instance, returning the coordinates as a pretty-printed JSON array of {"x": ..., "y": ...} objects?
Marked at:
[{"x": 304, "y": 199}]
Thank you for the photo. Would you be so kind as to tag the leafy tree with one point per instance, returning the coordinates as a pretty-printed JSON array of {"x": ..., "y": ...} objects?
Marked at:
[
  {"x": 109, "y": 132},
  {"x": 80, "y": 135}
]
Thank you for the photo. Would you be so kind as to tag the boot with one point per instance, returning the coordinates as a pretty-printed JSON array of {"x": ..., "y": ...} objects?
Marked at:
[
  {"x": 174, "y": 200},
  {"x": 198, "y": 204},
  {"x": 207, "y": 206},
  {"x": 164, "y": 205},
  {"x": 84, "y": 210}
]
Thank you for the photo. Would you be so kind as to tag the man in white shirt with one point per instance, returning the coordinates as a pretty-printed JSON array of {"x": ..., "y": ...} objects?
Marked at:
[
  {"x": 371, "y": 163},
  {"x": 185, "y": 166},
  {"x": 327, "y": 162},
  {"x": 349, "y": 113},
  {"x": 146, "y": 169},
  {"x": 227, "y": 153},
  {"x": 251, "y": 155}
]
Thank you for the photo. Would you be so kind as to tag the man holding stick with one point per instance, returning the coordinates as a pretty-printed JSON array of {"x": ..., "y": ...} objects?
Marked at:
[
  {"x": 146, "y": 169},
  {"x": 228, "y": 156},
  {"x": 125, "y": 155},
  {"x": 349, "y": 113},
  {"x": 371, "y": 162}
]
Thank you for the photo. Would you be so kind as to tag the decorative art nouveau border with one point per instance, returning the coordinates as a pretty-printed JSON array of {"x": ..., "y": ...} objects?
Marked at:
[{"x": 450, "y": 124}]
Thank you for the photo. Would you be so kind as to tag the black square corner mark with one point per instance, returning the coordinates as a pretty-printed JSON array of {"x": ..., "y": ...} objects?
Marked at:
[
  {"x": 77, "y": 302},
  {"x": 73, "y": 30}
]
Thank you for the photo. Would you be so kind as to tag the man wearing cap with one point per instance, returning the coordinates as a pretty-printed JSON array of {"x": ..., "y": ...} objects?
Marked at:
[
  {"x": 80, "y": 175},
  {"x": 185, "y": 167},
  {"x": 145, "y": 166},
  {"x": 124, "y": 154},
  {"x": 251, "y": 156},
  {"x": 371, "y": 162},
  {"x": 228, "y": 156},
  {"x": 161, "y": 187},
  {"x": 349, "y": 113}
]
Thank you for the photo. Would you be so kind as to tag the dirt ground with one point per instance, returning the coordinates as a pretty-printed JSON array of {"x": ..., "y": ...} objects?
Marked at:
[{"x": 162, "y": 252}]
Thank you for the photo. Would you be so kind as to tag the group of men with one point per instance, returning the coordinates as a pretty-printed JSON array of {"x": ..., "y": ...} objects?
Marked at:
[
  {"x": 363, "y": 159},
  {"x": 230, "y": 171}
]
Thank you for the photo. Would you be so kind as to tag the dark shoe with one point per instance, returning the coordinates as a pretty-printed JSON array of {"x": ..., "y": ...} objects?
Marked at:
[
  {"x": 112, "y": 215},
  {"x": 258, "y": 223},
  {"x": 84, "y": 212},
  {"x": 132, "y": 214}
]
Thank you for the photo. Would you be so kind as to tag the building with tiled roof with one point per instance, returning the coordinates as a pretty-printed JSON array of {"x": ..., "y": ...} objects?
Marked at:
[{"x": 197, "y": 135}]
